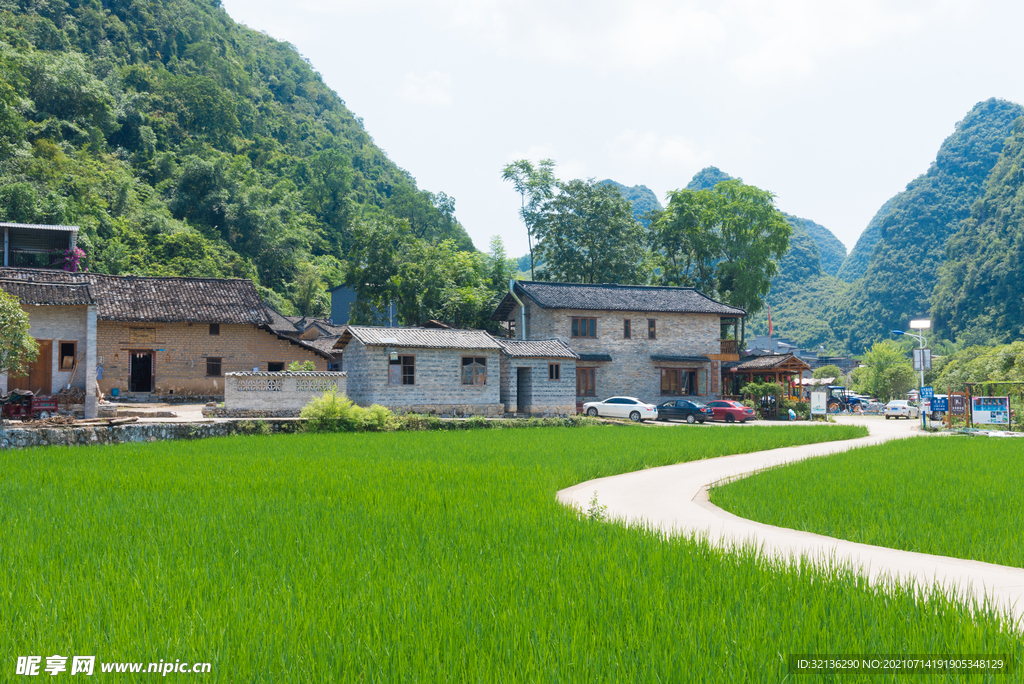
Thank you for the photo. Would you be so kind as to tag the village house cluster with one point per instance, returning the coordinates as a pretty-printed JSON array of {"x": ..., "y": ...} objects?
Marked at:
[{"x": 202, "y": 339}]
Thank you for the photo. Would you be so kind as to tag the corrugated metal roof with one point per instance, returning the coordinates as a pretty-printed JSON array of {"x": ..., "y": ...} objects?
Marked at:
[
  {"x": 612, "y": 297},
  {"x": 553, "y": 348},
  {"x": 37, "y": 226},
  {"x": 48, "y": 294},
  {"x": 426, "y": 338}
]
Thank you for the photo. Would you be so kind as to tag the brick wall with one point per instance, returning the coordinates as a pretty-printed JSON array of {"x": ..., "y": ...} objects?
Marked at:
[
  {"x": 438, "y": 384},
  {"x": 181, "y": 350},
  {"x": 632, "y": 372},
  {"x": 544, "y": 397}
]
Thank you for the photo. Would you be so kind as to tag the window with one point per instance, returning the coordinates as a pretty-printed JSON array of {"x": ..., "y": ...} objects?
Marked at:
[
  {"x": 554, "y": 371},
  {"x": 671, "y": 381},
  {"x": 474, "y": 370},
  {"x": 584, "y": 327},
  {"x": 402, "y": 371},
  {"x": 215, "y": 328},
  {"x": 626, "y": 332},
  {"x": 68, "y": 355},
  {"x": 213, "y": 366},
  {"x": 651, "y": 329},
  {"x": 585, "y": 382},
  {"x": 334, "y": 366},
  {"x": 275, "y": 366}
]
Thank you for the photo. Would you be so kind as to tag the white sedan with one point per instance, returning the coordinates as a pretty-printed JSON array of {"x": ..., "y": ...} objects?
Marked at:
[
  {"x": 622, "y": 407},
  {"x": 900, "y": 408}
]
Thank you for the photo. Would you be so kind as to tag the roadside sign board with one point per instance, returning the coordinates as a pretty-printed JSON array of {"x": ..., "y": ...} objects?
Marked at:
[
  {"x": 958, "y": 404},
  {"x": 927, "y": 392},
  {"x": 818, "y": 403},
  {"x": 922, "y": 359},
  {"x": 940, "y": 405},
  {"x": 990, "y": 410}
]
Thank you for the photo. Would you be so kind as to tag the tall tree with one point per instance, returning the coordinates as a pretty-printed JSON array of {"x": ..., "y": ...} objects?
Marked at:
[
  {"x": 887, "y": 373},
  {"x": 587, "y": 234},
  {"x": 725, "y": 241},
  {"x": 535, "y": 185},
  {"x": 17, "y": 347}
]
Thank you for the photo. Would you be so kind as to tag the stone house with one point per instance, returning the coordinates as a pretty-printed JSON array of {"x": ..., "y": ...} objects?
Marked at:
[
  {"x": 423, "y": 370},
  {"x": 538, "y": 377},
  {"x": 175, "y": 337},
  {"x": 62, "y": 319},
  {"x": 647, "y": 342}
]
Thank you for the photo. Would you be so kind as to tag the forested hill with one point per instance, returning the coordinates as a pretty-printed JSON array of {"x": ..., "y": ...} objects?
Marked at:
[
  {"x": 905, "y": 261},
  {"x": 641, "y": 197},
  {"x": 183, "y": 143}
]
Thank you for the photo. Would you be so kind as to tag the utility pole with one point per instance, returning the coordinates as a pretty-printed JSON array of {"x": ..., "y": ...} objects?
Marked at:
[{"x": 919, "y": 324}]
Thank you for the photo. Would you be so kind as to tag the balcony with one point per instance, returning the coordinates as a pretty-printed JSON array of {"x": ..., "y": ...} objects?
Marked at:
[{"x": 730, "y": 347}]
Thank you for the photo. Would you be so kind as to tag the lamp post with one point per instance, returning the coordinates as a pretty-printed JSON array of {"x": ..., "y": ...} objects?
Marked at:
[{"x": 918, "y": 324}]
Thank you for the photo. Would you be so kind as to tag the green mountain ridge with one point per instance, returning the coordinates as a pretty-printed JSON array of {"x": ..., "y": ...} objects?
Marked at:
[
  {"x": 185, "y": 144},
  {"x": 641, "y": 197},
  {"x": 905, "y": 262}
]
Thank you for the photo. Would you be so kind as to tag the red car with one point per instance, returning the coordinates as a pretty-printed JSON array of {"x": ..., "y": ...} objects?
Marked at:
[{"x": 731, "y": 411}]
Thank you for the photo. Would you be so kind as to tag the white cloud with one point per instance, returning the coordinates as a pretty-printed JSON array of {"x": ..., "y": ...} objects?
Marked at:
[
  {"x": 432, "y": 90},
  {"x": 653, "y": 149}
]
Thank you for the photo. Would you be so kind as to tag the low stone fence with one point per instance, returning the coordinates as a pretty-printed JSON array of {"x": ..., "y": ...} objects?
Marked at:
[
  {"x": 20, "y": 437},
  {"x": 257, "y": 394}
]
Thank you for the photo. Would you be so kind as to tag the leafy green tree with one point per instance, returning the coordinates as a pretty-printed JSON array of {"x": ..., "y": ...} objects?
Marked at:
[
  {"x": 829, "y": 371},
  {"x": 887, "y": 373},
  {"x": 17, "y": 348},
  {"x": 725, "y": 242},
  {"x": 587, "y": 234},
  {"x": 535, "y": 185}
]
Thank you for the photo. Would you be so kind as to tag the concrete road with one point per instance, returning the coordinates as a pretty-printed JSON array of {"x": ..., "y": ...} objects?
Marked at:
[{"x": 674, "y": 498}]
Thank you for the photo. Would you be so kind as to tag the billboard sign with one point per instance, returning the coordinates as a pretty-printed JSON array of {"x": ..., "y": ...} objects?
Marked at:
[
  {"x": 819, "y": 406},
  {"x": 958, "y": 404},
  {"x": 990, "y": 410},
  {"x": 927, "y": 392},
  {"x": 940, "y": 405},
  {"x": 922, "y": 359}
]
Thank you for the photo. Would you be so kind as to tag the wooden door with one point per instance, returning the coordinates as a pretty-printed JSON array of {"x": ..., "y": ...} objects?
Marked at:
[{"x": 39, "y": 373}]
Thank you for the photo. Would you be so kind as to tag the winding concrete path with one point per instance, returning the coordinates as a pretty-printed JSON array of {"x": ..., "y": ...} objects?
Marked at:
[{"x": 674, "y": 498}]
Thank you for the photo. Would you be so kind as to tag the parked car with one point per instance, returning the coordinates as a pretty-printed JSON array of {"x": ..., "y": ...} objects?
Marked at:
[
  {"x": 731, "y": 411},
  {"x": 926, "y": 406},
  {"x": 900, "y": 408},
  {"x": 681, "y": 409},
  {"x": 622, "y": 407}
]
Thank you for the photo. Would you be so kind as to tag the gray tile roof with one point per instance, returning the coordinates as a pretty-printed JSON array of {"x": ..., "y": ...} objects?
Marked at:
[
  {"x": 425, "y": 338},
  {"x": 293, "y": 374},
  {"x": 138, "y": 299},
  {"x": 280, "y": 324},
  {"x": 595, "y": 357},
  {"x": 48, "y": 294},
  {"x": 612, "y": 297},
  {"x": 680, "y": 358},
  {"x": 766, "y": 362},
  {"x": 554, "y": 349}
]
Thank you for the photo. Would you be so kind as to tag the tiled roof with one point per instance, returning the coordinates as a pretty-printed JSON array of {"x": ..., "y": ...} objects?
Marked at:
[
  {"x": 612, "y": 297},
  {"x": 294, "y": 374},
  {"x": 280, "y": 324},
  {"x": 159, "y": 300},
  {"x": 325, "y": 343},
  {"x": 679, "y": 358},
  {"x": 595, "y": 357},
  {"x": 555, "y": 349},
  {"x": 48, "y": 294},
  {"x": 423, "y": 338},
  {"x": 767, "y": 362},
  {"x": 37, "y": 226}
]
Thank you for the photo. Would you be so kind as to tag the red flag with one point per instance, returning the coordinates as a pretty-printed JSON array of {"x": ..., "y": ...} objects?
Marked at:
[{"x": 769, "y": 320}]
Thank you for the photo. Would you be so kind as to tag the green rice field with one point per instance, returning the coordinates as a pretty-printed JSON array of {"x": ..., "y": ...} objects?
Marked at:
[
  {"x": 950, "y": 496},
  {"x": 422, "y": 557}
]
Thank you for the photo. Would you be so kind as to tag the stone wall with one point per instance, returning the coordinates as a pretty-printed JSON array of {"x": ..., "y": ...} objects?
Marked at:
[
  {"x": 632, "y": 372},
  {"x": 16, "y": 438},
  {"x": 545, "y": 397},
  {"x": 66, "y": 324},
  {"x": 252, "y": 394},
  {"x": 437, "y": 389},
  {"x": 181, "y": 350}
]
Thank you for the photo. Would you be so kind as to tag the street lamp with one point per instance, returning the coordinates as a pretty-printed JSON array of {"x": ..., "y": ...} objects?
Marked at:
[{"x": 918, "y": 324}]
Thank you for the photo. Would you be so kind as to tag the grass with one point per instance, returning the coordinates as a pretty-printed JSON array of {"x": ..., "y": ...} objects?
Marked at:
[
  {"x": 950, "y": 496},
  {"x": 427, "y": 557}
]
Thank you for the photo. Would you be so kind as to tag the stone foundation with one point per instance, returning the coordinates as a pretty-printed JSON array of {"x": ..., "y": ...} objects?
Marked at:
[
  {"x": 453, "y": 410},
  {"x": 220, "y": 412},
  {"x": 17, "y": 438}
]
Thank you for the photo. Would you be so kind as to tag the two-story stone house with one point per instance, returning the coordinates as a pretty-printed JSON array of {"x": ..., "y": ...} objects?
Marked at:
[{"x": 647, "y": 342}]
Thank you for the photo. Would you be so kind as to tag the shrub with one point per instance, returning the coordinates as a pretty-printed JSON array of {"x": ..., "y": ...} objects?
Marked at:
[
  {"x": 380, "y": 419},
  {"x": 301, "y": 366},
  {"x": 333, "y": 412}
]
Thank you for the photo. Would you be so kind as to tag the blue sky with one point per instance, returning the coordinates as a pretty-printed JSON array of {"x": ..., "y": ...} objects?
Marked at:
[{"x": 833, "y": 106}]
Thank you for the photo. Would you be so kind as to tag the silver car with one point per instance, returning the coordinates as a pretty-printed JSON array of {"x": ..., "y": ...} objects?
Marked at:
[
  {"x": 622, "y": 407},
  {"x": 900, "y": 408}
]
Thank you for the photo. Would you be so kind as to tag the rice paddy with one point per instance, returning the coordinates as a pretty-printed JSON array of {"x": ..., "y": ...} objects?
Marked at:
[
  {"x": 429, "y": 557},
  {"x": 951, "y": 496}
]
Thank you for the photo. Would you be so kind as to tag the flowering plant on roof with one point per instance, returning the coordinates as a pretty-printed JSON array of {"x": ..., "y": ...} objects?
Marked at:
[{"x": 74, "y": 260}]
